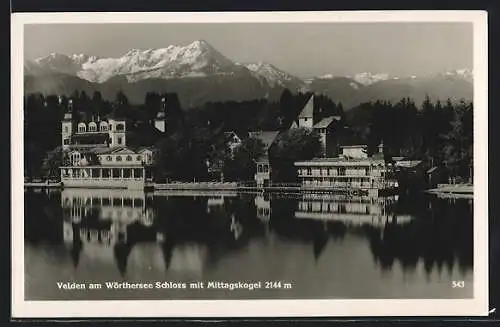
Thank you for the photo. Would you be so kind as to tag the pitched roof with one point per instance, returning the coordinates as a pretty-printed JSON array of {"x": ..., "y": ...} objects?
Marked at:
[
  {"x": 308, "y": 110},
  {"x": 340, "y": 160},
  {"x": 101, "y": 150},
  {"x": 432, "y": 170},
  {"x": 123, "y": 150},
  {"x": 96, "y": 136},
  {"x": 363, "y": 146},
  {"x": 408, "y": 163},
  {"x": 325, "y": 122},
  {"x": 145, "y": 148},
  {"x": 267, "y": 137}
]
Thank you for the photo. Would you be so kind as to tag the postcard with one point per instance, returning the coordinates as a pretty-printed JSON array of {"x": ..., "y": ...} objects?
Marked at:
[{"x": 249, "y": 164}]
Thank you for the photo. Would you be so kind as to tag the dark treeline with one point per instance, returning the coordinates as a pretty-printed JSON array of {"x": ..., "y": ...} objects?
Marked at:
[{"x": 438, "y": 133}]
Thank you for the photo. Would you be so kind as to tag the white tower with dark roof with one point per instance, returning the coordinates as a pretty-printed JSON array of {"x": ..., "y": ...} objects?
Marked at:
[
  {"x": 161, "y": 119},
  {"x": 306, "y": 116},
  {"x": 117, "y": 131},
  {"x": 67, "y": 124}
]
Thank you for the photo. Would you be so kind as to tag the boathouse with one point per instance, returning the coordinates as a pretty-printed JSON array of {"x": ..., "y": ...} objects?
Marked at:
[{"x": 263, "y": 172}]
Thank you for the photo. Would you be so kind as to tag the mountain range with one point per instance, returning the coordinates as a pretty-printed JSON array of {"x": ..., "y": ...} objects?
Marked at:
[{"x": 199, "y": 73}]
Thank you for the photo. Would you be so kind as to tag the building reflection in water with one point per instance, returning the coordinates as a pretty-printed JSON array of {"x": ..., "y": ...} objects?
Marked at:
[
  {"x": 435, "y": 233},
  {"x": 352, "y": 211},
  {"x": 104, "y": 224},
  {"x": 123, "y": 226},
  {"x": 263, "y": 206},
  {"x": 187, "y": 235}
]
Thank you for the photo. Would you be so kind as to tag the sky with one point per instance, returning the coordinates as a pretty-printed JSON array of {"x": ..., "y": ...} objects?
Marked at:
[{"x": 302, "y": 49}]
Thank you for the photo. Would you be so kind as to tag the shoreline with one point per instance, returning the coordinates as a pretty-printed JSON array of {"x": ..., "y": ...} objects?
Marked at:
[
  {"x": 443, "y": 190},
  {"x": 458, "y": 191}
]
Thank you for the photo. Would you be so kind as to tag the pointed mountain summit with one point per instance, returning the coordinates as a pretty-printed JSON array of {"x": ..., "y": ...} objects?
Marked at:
[
  {"x": 274, "y": 76},
  {"x": 199, "y": 73},
  {"x": 196, "y": 59}
]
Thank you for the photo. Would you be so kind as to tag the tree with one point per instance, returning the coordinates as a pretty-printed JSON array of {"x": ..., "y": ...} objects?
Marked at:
[
  {"x": 291, "y": 146},
  {"x": 121, "y": 99},
  {"x": 183, "y": 155},
  {"x": 52, "y": 161},
  {"x": 458, "y": 143},
  {"x": 242, "y": 165},
  {"x": 152, "y": 104},
  {"x": 286, "y": 104},
  {"x": 98, "y": 108}
]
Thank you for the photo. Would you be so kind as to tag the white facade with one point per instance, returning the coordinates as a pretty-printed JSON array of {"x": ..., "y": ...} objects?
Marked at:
[
  {"x": 117, "y": 132},
  {"x": 306, "y": 122},
  {"x": 263, "y": 173},
  {"x": 355, "y": 151},
  {"x": 98, "y": 154},
  {"x": 161, "y": 119},
  {"x": 306, "y": 116},
  {"x": 160, "y": 125},
  {"x": 126, "y": 156},
  {"x": 336, "y": 172}
]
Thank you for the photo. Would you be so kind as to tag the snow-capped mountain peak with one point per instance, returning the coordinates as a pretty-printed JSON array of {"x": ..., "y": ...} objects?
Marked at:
[
  {"x": 198, "y": 58},
  {"x": 367, "y": 78},
  {"x": 464, "y": 73},
  {"x": 273, "y": 76},
  {"x": 326, "y": 76}
]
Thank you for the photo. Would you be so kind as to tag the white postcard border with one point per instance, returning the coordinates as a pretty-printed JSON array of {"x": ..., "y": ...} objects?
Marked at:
[{"x": 478, "y": 306}]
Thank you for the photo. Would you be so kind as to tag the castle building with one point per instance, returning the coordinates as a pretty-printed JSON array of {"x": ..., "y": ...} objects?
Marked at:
[
  {"x": 98, "y": 154},
  {"x": 324, "y": 126}
]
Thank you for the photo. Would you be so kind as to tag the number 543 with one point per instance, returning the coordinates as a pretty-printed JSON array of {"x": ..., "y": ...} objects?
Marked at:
[{"x": 458, "y": 284}]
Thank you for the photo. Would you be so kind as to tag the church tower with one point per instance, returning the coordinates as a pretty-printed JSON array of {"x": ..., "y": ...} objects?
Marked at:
[
  {"x": 161, "y": 120},
  {"x": 67, "y": 124}
]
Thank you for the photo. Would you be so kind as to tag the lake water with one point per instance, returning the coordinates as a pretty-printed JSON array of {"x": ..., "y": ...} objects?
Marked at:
[{"x": 306, "y": 246}]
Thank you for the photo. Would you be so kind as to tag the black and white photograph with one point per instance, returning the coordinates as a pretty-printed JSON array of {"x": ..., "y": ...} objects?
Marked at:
[{"x": 308, "y": 163}]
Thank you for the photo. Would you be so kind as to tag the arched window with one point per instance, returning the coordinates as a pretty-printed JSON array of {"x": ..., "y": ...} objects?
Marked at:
[
  {"x": 118, "y": 158},
  {"x": 82, "y": 128},
  {"x": 92, "y": 127},
  {"x": 129, "y": 158},
  {"x": 108, "y": 158},
  {"x": 103, "y": 126},
  {"x": 139, "y": 158}
]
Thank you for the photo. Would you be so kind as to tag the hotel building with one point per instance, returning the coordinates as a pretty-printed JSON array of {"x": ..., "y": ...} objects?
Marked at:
[{"x": 353, "y": 170}]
